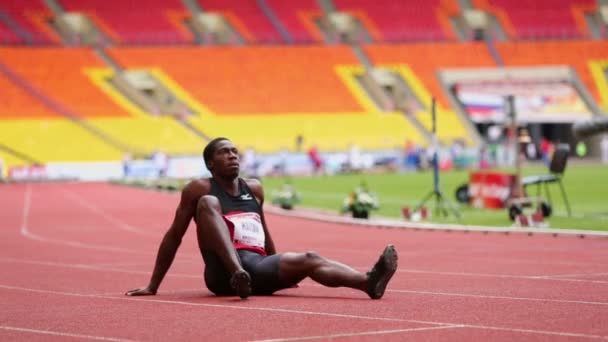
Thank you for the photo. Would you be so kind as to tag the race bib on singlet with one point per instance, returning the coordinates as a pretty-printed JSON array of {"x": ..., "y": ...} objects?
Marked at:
[{"x": 248, "y": 229}]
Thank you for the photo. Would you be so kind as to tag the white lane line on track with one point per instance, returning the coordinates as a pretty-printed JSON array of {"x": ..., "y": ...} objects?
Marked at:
[
  {"x": 309, "y": 313},
  {"x": 452, "y": 294},
  {"x": 492, "y": 275},
  {"x": 482, "y": 296},
  {"x": 63, "y": 334},
  {"x": 25, "y": 232},
  {"x": 576, "y": 275},
  {"x": 93, "y": 267},
  {"x": 238, "y": 307},
  {"x": 357, "y": 334},
  {"x": 180, "y": 275},
  {"x": 106, "y": 216}
]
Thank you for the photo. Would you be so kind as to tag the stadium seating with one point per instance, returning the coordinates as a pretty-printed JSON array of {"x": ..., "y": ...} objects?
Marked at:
[
  {"x": 247, "y": 18},
  {"x": 60, "y": 73},
  {"x": 540, "y": 19},
  {"x": 266, "y": 96},
  {"x": 253, "y": 80},
  {"x": 9, "y": 160},
  {"x": 65, "y": 76},
  {"x": 31, "y": 17},
  {"x": 297, "y": 16},
  {"x": 29, "y": 127},
  {"x": 260, "y": 96},
  {"x": 135, "y": 22},
  {"x": 17, "y": 103},
  {"x": 577, "y": 54},
  {"x": 425, "y": 60},
  {"x": 403, "y": 20},
  {"x": 51, "y": 140},
  {"x": 7, "y": 36}
]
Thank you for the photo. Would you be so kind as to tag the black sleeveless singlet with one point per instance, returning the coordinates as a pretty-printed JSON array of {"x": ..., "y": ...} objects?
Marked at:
[{"x": 242, "y": 214}]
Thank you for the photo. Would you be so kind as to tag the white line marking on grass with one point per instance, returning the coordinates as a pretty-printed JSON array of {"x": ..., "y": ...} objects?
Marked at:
[
  {"x": 364, "y": 333},
  {"x": 309, "y": 313},
  {"x": 63, "y": 334},
  {"x": 109, "y": 218}
]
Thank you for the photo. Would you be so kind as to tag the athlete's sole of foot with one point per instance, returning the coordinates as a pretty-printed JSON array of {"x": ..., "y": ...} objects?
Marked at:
[
  {"x": 389, "y": 258},
  {"x": 241, "y": 282}
]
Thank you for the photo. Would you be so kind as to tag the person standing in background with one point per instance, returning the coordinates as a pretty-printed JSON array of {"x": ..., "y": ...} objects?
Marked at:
[{"x": 604, "y": 149}]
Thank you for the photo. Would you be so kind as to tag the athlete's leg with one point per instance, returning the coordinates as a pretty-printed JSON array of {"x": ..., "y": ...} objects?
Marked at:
[
  {"x": 294, "y": 267},
  {"x": 213, "y": 236}
]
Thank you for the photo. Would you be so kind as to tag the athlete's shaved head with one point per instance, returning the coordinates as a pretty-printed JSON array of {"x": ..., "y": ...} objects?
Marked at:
[{"x": 210, "y": 149}]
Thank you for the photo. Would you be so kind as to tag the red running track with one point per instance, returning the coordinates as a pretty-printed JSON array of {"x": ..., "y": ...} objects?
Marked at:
[{"x": 69, "y": 251}]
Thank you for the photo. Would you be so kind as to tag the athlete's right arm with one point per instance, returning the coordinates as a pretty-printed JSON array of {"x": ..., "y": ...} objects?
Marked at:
[{"x": 173, "y": 237}]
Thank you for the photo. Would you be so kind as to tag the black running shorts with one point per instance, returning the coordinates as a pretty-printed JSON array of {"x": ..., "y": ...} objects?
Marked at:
[{"x": 264, "y": 272}]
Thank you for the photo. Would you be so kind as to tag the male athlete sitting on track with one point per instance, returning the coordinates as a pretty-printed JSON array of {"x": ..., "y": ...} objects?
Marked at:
[{"x": 239, "y": 254}]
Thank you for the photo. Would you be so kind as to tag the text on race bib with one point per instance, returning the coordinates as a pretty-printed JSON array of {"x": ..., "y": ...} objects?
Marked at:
[{"x": 248, "y": 229}]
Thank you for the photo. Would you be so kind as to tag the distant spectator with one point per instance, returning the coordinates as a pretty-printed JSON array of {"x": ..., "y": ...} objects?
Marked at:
[
  {"x": 250, "y": 163},
  {"x": 412, "y": 156},
  {"x": 581, "y": 149},
  {"x": 457, "y": 155},
  {"x": 126, "y": 164},
  {"x": 546, "y": 150},
  {"x": 354, "y": 158},
  {"x": 604, "y": 149},
  {"x": 283, "y": 161},
  {"x": 299, "y": 142},
  {"x": 161, "y": 162},
  {"x": 484, "y": 157},
  {"x": 315, "y": 159}
]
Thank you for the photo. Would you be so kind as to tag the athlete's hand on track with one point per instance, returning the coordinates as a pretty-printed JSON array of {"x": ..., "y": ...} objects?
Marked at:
[{"x": 140, "y": 292}]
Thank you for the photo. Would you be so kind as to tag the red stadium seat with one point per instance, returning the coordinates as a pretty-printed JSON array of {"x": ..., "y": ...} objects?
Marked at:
[
  {"x": 403, "y": 20},
  {"x": 248, "y": 18},
  {"x": 540, "y": 19},
  {"x": 7, "y": 36},
  {"x": 31, "y": 16},
  {"x": 297, "y": 16},
  {"x": 134, "y": 22}
]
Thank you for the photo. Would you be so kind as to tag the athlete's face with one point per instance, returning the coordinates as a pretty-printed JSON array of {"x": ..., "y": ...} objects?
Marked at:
[{"x": 225, "y": 161}]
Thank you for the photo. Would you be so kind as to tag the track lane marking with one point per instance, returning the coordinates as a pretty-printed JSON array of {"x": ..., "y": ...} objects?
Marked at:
[
  {"x": 356, "y": 334},
  {"x": 309, "y": 313},
  {"x": 191, "y": 276},
  {"x": 63, "y": 334}
]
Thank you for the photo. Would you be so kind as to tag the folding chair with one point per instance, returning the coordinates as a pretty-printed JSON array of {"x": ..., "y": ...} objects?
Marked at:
[{"x": 557, "y": 169}]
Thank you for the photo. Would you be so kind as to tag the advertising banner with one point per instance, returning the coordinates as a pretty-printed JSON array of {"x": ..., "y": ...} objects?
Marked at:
[
  {"x": 490, "y": 190},
  {"x": 536, "y": 100}
]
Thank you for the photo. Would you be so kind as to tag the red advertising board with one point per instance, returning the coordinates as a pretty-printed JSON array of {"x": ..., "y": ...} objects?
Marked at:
[{"x": 490, "y": 189}]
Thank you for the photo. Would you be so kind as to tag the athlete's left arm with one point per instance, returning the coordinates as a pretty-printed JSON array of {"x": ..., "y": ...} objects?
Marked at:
[{"x": 258, "y": 191}]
